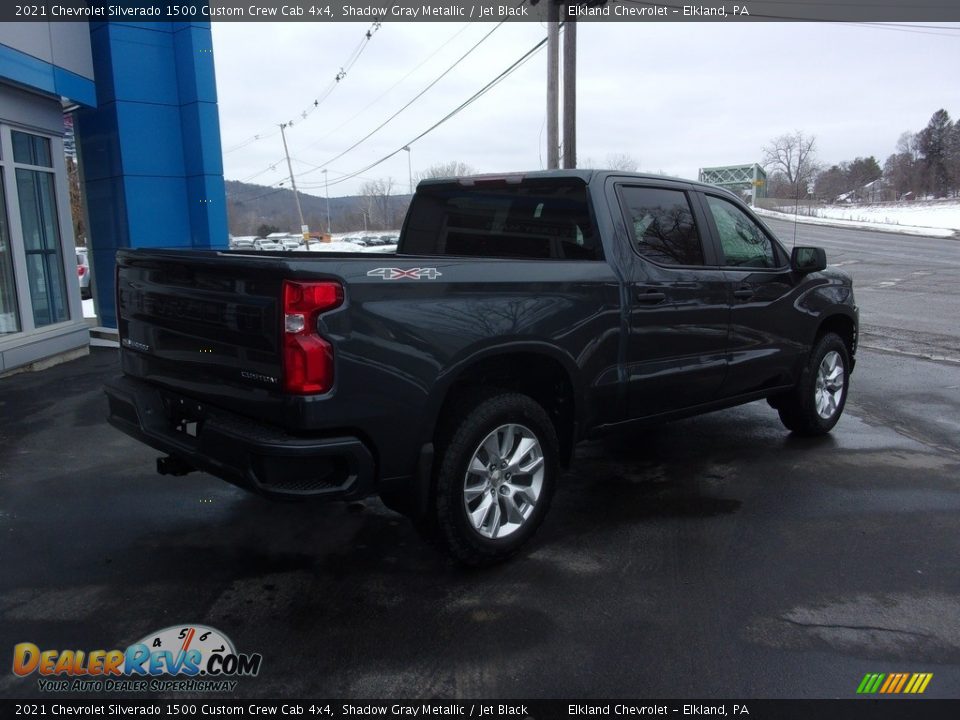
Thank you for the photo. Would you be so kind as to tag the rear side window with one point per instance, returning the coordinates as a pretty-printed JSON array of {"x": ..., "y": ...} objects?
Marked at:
[
  {"x": 544, "y": 220},
  {"x": 662, "y": 225}
]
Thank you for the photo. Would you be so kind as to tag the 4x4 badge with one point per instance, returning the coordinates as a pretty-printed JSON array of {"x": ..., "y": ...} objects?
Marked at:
[{"x": 412, "y": 273}]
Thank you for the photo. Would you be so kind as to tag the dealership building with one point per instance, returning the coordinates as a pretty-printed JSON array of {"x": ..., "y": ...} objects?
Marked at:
[{"x": 142, "y": 100}]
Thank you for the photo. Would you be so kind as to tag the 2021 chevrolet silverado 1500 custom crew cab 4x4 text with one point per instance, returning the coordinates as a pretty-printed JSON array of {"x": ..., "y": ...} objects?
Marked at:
[{"x": 520, "y": 315}]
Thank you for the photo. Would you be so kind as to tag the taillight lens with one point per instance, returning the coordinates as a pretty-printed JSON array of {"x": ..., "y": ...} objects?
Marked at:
[
  {"x": 307, "y": 357},
  {"x": 81, "y": 271}
]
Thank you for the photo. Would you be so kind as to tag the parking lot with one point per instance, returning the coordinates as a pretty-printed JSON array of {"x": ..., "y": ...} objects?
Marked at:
[{"x": 713, "y": 557}]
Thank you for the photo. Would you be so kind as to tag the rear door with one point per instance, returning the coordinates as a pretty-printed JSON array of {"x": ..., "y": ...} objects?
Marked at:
[
  {"x": 679, "y": 308},
  {"x": 764, "y": 345}
]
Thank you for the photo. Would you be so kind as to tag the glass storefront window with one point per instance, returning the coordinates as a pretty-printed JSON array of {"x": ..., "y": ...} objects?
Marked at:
[
  {"x": 31, "y": 149},
  {"x": 9, "y": 316},
  {"x": 41, "y": 239}
]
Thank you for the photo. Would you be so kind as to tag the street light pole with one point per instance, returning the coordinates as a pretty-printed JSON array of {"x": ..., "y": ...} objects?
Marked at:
[
  {"x": 326, "y": 190},
  {"x": 409, "y": 168},
  {"x": 293, "y": 184}
]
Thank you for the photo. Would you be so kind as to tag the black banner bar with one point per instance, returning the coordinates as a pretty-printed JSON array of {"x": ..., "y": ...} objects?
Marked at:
[
  {"x": 322, "y": 11},
  {"x": 894, "y": 708}
]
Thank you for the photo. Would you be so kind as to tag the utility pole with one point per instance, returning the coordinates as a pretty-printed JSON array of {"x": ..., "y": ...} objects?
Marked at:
[
  {"x": 293, "y": 184},
  {"x": 409, "y": 168},
  {"x": 326, "y": 190},
  {"x": 553, "y": 86},
  {"x": 569, "y": 91}
]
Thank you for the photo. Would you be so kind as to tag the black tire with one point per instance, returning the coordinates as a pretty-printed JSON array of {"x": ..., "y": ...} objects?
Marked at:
[
  {"x": 798, "y": 408},
  {"x": 473, "y": 420}
]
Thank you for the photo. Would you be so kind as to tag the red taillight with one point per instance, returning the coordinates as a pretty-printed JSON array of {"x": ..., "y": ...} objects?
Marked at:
[
  {"x": 81, "y": 271},
  {"x": 307, "y": 357}
]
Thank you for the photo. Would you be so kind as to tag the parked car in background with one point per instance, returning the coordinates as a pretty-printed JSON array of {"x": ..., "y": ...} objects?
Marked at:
[
  {"x": 291, "y": 243},
  {"x": 83, "y": 273},
  {"x": 266, "y": 244},
  {"x": 389, "y": 239},
  {"x": 241, "y": 243}
]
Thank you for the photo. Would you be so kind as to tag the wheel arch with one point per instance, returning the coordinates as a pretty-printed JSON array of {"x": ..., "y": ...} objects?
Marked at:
[
  {"x": 538, "y": 370},
  {"x": 843, "y": 325}
]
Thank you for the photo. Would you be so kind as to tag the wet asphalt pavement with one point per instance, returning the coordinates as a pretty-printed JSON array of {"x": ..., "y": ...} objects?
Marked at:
[{"x": 713, "y": 557}]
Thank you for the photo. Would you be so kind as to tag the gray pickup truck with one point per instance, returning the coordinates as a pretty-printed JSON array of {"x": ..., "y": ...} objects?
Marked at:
[{"x": 520, "y": 315}]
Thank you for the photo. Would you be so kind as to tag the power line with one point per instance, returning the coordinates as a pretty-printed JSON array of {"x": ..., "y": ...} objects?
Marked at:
[
  {"x": 465, "y": 104},
  {"x": 388, "y": 90},
  {"x": 393, "y": 116},
  {"x": 344, "y": 70},
  {"x": 409, "y": 103}
]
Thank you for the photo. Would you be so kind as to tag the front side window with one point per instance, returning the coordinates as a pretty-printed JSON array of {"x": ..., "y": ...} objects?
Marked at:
[
  {"x": 662, "y": 225},
  {"x": 744, "y": 243}
]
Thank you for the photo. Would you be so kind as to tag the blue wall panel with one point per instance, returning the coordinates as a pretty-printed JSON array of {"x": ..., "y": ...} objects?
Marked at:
[
  {"x": 41, "y": 75},
  {"x": 207, "y": 197},
  {"x": 150, "y": 138},
  {"x": 160, "y": 206},
  {"x": 100, "y": 143},
  {"x": 199, "y": 123},
  {"x": 194, "y": 47},
  {"x": 148, "y": 72},
  {"x": 151, "y": 151}
]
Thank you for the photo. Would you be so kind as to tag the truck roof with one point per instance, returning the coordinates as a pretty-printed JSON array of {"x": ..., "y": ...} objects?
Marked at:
[{"x": 584, "y": 174}]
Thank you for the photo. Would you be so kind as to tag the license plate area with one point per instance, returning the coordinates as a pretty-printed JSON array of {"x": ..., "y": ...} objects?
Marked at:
[{"x": 184, "y": 417}]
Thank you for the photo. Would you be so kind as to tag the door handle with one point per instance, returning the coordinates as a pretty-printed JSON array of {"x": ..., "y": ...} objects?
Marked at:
[
  {"x": 650, "y": 296},
  {"x": 744, "y": 293}
]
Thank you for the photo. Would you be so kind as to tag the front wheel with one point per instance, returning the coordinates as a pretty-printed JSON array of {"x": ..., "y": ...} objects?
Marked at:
[
  {"x": 814, "y": 406},
  {"x": 495, "y": 477}
]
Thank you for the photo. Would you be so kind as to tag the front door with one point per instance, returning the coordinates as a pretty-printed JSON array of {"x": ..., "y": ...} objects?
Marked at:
[{"x": 766, "y": 344}]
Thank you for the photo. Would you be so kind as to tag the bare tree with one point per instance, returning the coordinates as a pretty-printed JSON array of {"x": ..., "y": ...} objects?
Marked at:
[
  {"x": 613, "y": 161},
  {"x": 907, "y": 145},
  {"x": 901, "y": 170},
  {"x": 76, "y": 202},
  {"x": 376, "y": 203},
  {"x": 453, "y": 168},
  {"x": 794, "y": 156},
  {"x": 622, "y": 161}
]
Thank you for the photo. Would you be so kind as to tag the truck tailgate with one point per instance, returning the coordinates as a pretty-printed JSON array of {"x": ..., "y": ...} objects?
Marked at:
[{"x": 207, "y": 325}]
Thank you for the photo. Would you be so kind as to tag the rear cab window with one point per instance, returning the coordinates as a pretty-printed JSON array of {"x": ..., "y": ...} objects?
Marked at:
[{"x": 536, "y": 219}]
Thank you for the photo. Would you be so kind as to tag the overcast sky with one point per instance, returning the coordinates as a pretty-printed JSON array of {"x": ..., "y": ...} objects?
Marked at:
[{"x": 675, "y": 96}]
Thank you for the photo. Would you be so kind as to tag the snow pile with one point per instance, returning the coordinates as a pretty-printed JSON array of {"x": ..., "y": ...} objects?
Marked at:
[{"x": 930, "y": 219}]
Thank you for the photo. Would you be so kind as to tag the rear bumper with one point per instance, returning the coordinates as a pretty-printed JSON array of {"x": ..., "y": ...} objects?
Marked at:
[{"x": 256, "y": 456}]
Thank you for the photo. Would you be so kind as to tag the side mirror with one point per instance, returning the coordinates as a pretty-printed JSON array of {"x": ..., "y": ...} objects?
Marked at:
[{"x": 808, "y": 259}]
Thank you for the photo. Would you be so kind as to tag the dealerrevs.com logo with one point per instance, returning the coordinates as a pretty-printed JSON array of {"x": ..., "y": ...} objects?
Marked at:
[{"x": 189, "y": 658}]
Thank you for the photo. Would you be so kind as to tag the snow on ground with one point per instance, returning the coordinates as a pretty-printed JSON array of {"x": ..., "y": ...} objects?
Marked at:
[
  {"x": 88, "y": 311},
  {"x": 916, "y": 218},
  {"x": 341, "y": 246}
]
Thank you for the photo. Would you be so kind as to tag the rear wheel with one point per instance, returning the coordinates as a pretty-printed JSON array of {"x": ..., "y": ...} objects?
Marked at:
[
  {"x": 495, "y": 476},
  {"x": 814, "y": 406}
]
